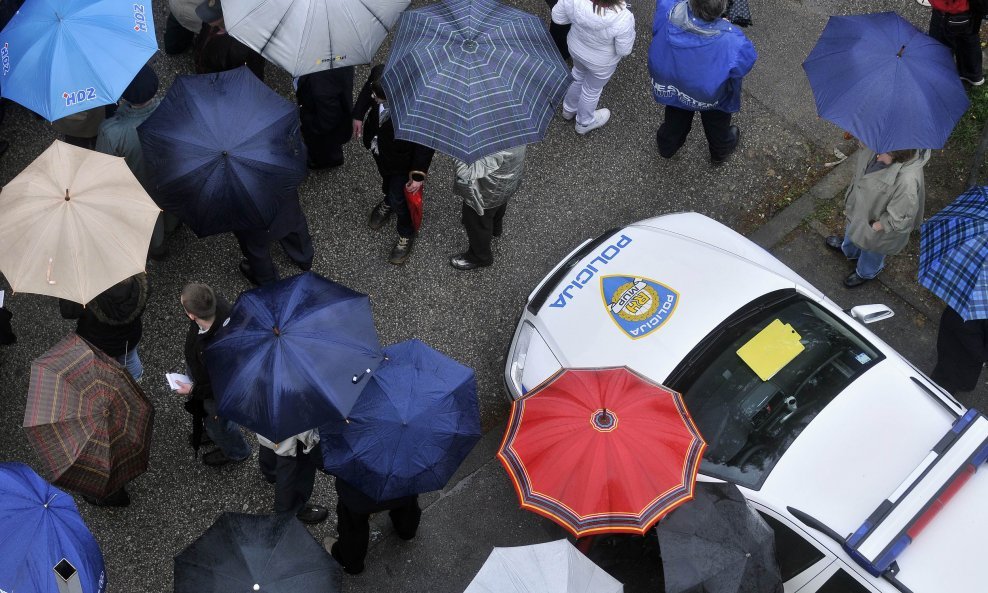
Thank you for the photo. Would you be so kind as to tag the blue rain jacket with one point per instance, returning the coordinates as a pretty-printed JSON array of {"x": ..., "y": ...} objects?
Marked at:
[{"x": 695, "y": 64}]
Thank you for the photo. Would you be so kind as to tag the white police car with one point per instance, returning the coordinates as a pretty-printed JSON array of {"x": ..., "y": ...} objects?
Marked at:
[{"x": 864, "y": 468}]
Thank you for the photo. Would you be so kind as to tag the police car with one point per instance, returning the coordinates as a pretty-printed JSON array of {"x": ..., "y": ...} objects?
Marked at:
[{"x": 865, "y": 468}]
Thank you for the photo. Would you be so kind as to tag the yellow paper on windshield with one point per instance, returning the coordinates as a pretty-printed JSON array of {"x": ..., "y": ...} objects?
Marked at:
[{"x": 771, "y": 349}]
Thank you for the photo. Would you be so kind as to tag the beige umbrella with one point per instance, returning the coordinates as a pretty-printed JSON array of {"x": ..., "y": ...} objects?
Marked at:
[
  {"x": 184, "y": 12},
  {"x": 75, "y": 222}
]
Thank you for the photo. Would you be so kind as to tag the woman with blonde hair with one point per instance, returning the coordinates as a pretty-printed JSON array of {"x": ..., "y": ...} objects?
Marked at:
[{"x": 602, "y": 32}]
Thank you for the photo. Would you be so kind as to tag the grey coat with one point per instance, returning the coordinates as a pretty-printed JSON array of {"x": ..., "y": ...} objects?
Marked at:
[
  {"x": 490, "y": 181},
  {"x": 894, "y": 196}
]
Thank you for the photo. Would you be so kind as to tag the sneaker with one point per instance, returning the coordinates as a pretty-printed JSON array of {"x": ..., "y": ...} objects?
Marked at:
[
  {"x": 312, "y": 514},
  {"x": 568, "y": 115},
  {"x": 977, "y": 82},
  {"x": 401, "y": 250},
  {"x": 600, "y": 118},
  {"x": 218, "y": 457},
  {"x": 379, "y": 215},
  {"x": 835, "y": 243}
]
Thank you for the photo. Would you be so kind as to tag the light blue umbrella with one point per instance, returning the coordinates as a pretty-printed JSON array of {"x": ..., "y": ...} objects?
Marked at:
[
  {"x": 59, "y": 57},
  {"x": 953, "y": 255}
]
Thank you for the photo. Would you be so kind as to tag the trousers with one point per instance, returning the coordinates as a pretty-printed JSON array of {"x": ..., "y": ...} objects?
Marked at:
[
  {"x": 584, "y": 92},
  {"x": 678, "y": 123},
  {"x": 480, "y": 230},
  {"x": 353, "y": 529},
  {"x": 964, "y": 43},
  {"x": 293, "y": 477}
]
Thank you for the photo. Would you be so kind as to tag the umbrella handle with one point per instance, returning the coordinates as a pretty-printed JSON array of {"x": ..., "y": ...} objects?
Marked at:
[
  {"x": 358, "y": 378},
  {"x": 51, "y": 260}
]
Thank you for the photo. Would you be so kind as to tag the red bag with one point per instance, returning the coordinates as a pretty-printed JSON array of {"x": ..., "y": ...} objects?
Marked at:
[{"x": 414, "y": 200}]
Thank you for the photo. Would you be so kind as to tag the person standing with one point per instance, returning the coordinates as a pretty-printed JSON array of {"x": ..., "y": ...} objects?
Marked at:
[
  {"x": 353, "y": 511},
  {"x": 112, "y": 321},
  {"x": 485, "y": 187},
  {"x": 215, "y": 51},
  {"x": 956, "y": 24},
  {"x": 399, "y": 162},
  {"x": 882, "y": 206},
  {"x": 118, "y": 136},
  {"x": 325, "y": 105},
  {"x": 289, "y": 228},
  {"x": 203, "y": 308},
  {"x": 962, "y": 350},
  {"x": 181, "y": 26},
  {"x": 291, "y": 466},
  {"x": 602, "y": 32},
  {"x": 558, "y": 32},
  {"x": 697, "y": 61}
]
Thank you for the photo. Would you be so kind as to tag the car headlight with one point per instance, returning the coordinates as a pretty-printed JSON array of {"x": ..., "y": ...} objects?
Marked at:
[{"x": 530, "y": 363}]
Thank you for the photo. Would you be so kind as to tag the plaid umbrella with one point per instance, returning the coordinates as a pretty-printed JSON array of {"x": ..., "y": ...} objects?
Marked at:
[
  {"x": 953, "y": 253},
  {"x": 87, "y": 418},
  {"x": 471, "y": 77}
]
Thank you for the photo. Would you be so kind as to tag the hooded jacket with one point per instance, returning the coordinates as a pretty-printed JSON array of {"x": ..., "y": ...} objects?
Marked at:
[
  {"x": 597, "y": 38},
  {"x": 112, "y": 320},
  {"x": 894, "y": 196},
  {"x": 697, "y": 65},
  {"x": 490, "y": 181}
]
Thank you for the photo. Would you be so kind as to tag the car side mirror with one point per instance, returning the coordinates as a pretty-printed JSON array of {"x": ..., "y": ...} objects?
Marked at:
[{"x": 871, "y": 313}]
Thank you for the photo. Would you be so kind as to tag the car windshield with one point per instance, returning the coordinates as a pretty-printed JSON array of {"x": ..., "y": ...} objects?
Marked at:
[{"x": 749, "y": 422}]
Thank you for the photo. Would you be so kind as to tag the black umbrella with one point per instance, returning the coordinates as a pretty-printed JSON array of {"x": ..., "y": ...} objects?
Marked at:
[
  {"x": 717, "y": 543},
  {"x": 243, "y": 553}
]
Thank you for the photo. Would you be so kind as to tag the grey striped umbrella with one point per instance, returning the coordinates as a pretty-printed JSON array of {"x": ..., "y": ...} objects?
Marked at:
[{"x": 471, "y": 77}]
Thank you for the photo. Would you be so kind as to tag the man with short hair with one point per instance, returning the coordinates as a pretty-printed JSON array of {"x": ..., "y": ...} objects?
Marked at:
[
  {"x": 204, "y": 308},
  {"x": 697, "y": 61}
]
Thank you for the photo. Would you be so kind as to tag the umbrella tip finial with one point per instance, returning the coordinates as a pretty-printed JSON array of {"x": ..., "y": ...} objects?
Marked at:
[
  {"x": 901, "y": 49},
  {"x": 277, "y": 331},
  {"x": 257, "y": 587},
  {"x": 66, "y": 194}
]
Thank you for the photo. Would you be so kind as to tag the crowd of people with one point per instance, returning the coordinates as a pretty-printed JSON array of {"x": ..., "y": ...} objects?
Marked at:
[{"x": 697, "y": 61}]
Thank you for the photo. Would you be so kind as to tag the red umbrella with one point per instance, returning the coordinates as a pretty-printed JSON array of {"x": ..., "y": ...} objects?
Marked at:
[
  {"x": 87, "y": 418},
  {"x": 602, "y": 450}
]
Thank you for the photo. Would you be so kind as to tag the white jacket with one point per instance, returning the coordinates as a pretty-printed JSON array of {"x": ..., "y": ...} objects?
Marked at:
[
  {"x": 286, "y": 448},
  {"x": 597, "y": 39}
]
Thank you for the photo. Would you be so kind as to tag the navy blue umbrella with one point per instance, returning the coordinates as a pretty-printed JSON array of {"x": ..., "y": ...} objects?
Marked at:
[
  {"x": 42, "y": 537},
  {"x": 293, "y": 355},
  {"x": 416, "y": 421},
  {"x": 223, "y": 149},
  {"x": 885, "y": 82},
  {"x": 471, "y": 77},
  {"x": 266, "y": 553}
]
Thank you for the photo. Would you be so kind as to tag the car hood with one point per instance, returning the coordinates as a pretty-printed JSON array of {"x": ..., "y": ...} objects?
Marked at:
[{"x": 646, "y": 296}]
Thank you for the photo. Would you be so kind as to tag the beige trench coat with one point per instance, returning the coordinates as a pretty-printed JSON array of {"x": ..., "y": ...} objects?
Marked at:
[{"x": 893, "y": 196}]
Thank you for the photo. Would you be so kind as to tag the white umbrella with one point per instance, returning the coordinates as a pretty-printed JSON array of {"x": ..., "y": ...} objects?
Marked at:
[
  {"x": 306, "y": 36},
  {"x": 75, "y": 222},
  {"x": 554, "y": 567}
]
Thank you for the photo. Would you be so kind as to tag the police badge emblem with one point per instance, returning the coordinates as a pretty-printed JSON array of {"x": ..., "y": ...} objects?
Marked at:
[{"x": 637, "y": 305}]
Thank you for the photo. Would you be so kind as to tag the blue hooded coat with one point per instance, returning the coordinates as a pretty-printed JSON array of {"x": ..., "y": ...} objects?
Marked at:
[{"x": 697, "y": 65}]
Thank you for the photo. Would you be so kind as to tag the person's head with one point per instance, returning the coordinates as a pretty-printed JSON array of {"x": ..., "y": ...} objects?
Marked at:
[
  {"x": 143, "y": 88},
  {"x": 896, "y": 156},
  {"x": 211, "y": 11},
  {"x": 199, "y": 301},
  {"x": 600, "y": 6},
  {"x": 377, "y": 91},
  {"x": 708, "y": 10}
]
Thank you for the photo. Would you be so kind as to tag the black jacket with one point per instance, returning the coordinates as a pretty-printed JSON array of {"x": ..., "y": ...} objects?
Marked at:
[
  {"x": 396, "y": 157},
  {"x": 112, "y": 320},
  {"x": 325, "y": 103},
  {"x": 195, "y": 345}
]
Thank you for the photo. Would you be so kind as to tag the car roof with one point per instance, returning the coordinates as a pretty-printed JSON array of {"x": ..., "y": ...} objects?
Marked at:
[{"x": 709, "y": 285}]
